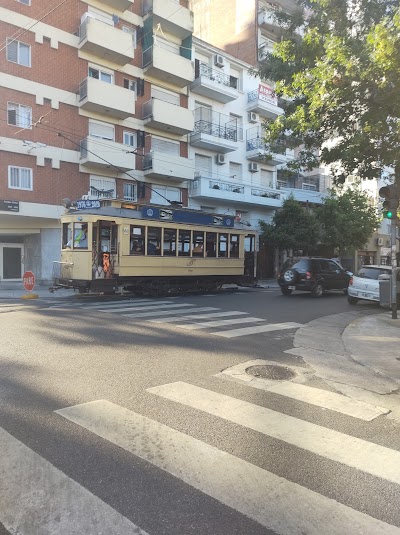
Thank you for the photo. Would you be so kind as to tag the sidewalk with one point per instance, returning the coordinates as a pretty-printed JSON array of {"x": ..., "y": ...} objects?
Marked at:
[{"x": 15, "y": 290}]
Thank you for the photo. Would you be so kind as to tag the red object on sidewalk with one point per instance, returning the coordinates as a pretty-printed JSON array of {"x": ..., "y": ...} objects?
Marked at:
[{"x": 28, "y": 279}]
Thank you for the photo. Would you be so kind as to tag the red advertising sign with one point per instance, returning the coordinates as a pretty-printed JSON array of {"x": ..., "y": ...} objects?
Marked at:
[
  {"x": 28, "y": 280},
  {"x": 267, "y": 94}
]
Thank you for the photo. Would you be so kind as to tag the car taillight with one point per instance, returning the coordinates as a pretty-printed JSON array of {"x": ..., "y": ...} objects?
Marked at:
[
  {"x": 351, "y": 281},
  {"x": 308, "y": 275}
]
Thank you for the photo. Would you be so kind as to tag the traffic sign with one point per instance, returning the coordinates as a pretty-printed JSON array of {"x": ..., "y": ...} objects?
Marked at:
[{"x": 28, "y": 280}]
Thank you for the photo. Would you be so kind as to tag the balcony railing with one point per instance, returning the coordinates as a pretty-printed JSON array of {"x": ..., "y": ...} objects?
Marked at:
[
  {"x": 202, "y": 69},
  {"x": 84, "y": 148},
  {"x": 216, "y": 130},
  {"x": 312, "y": 184},
  {"x": 226, "y": 186},
  {"x": 258, "y": 192},
  {"x": 83, "y": 89},
  {"x": 147, "y": 161}
]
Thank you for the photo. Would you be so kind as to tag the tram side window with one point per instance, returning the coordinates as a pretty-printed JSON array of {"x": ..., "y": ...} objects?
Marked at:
[
  {"x": 67, "y": 235},
  {"x": 154, "y": 241},
  {"x": 137, "y": 240},
  {"x": 198, "y": 243},
  {"x": 184, "y": 243},
  {"x": 169, "y": 243},
  {"x": 222, "y": 245},
  {"x": 211, "y": 244},
  {"x": 234, "y": 246}
]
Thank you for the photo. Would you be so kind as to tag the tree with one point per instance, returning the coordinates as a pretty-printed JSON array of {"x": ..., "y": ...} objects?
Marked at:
[
  {"x": 347, "y": 220},
  {"x": 338, "y": 66},
  {"x": 292, "y": 227}
]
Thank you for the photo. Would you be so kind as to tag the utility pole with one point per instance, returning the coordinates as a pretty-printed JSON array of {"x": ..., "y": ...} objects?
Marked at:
[{"x": 391, "y": 196}]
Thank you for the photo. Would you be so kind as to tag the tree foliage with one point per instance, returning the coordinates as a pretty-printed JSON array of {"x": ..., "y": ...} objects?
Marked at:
[
  {"x": 292, "y": 227},
  {"x": 347, "y": 220},
  {"x": 338, "y": 67}
]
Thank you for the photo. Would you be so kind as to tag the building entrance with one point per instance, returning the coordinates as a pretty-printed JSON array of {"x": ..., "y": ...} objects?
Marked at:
[{"x": 11, "y": 261}]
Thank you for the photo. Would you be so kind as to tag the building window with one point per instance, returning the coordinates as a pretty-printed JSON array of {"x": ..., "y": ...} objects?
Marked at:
[
  {"x": 130, "y": 84},
  {"x": 133, "y": 33},
  {"x": 99, "y": 74},
  {"x": 130, "y": 139},
  {"x": 25, "y": 2},
  {"x": 20, "y": 178},
  {"x": 19, "y": 115},
  {"x": 101, "y": 130},
  {"x": 159, "y": 194},
  {"x": 18, "y": 52},
  {"x": 102, "y": 188},
  {"x": 129, "y": 191}
]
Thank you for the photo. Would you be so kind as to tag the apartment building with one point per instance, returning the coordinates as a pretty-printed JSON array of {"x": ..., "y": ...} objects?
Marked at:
[{"x": 93, "y": 103}]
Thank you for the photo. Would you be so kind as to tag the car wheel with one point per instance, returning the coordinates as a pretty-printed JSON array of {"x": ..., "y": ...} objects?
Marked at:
[
  {"x": 286, "y": 291},
  {"x": 318, "y": 290},
  {"x": 352, "y": 300},
  {"x": 289, "y": 276}
]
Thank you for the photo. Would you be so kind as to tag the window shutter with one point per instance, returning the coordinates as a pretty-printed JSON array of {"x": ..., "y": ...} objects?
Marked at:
[
  {"x": 235, "y": 170},
  {"x": 172, "y": 98},
  {"x": 203, "y": 164},
  {"x": 12, "y": 51},
  {"x": 12, "y": 115},
  {"x": 104, "y": 131},
  {"x": 165, "y": 146}
]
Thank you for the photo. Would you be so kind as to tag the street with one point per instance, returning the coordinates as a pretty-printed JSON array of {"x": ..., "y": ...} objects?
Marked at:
[{"x": 123, "y": 415}]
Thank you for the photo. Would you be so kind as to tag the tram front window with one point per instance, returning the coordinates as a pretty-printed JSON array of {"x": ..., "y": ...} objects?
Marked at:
[
  {"x": 79, "y": 233},
  {"x": 154, "y": 241},
  {"x": 67, "y": 235}
]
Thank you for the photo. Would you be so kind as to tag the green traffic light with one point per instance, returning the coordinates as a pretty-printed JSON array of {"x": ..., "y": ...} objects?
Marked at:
[{"x": 389, "y": 215}]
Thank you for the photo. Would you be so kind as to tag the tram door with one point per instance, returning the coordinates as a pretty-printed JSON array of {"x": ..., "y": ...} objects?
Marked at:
[
  {"x": 105, "y": 248},
  {"x": 249, "y": 255}
]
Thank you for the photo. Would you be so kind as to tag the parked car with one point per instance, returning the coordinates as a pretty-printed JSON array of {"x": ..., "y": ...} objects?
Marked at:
[
  {"x": 312, "y": 274},
  {"x": 365, "y": 284}
]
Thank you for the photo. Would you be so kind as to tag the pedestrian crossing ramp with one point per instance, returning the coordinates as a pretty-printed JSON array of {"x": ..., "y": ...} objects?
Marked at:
[
  {"x": 277, "y": 503},
  {"x": 191, "y": 317}
]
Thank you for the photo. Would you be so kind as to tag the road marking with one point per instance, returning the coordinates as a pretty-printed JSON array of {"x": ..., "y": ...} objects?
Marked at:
[
  {"x": 167, "y": 313},
  {"x": 148, "y": 307},
  {"x": 328, "y": 400},
  {"x": 199, "y": 316},
  {"x": 38, "y": 498},
  {"x": 278, "y": 504},
  {"x": 113, "y": 304},
  {"x": 258, "y": 329},
  {"x": 354, "y": 452},
  {"x": 219, "y": 323}
]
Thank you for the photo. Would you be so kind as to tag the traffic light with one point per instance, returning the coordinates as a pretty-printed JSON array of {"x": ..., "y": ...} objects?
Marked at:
[{"x": 391, "y": 194}]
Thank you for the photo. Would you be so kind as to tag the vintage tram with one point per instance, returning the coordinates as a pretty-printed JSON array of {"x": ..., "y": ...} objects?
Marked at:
[{"x": 151, "y": 250}]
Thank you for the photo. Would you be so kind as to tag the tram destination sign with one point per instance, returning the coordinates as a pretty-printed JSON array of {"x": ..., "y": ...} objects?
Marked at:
[
  {"x": 9, "y": 206},
  {"x": 186, "y": 216},
  {"x": 84, "y": 204}
]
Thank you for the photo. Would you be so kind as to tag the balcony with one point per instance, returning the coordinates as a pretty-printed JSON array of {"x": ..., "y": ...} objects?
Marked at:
[
  {"x": 105, "y": 41},
  {"x": 117, "y": 155},
  {"x": 163, "y": 63},
  {"x": 214, "y": 84},
  {"x": 215, "y": 131},
  {"x": 264, "y": 102},
  {"x": 304, "y": 189},
  {"x": 206, "y": 187},
  {"x": 108, "y": 99},
  {"x": 162, "y": 165},
  {"x": 174, "y": 17},
  {"x": 259, "y": 151},
  {"x": 166, "y": 116},
  {"x": 121, "y": 5}
]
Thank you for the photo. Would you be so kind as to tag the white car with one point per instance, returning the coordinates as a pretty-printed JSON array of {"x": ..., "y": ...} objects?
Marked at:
[{"x": 365, "y": 283}]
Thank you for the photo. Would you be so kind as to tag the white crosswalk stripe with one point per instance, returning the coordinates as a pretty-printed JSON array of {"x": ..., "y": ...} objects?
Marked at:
[
  {"x": 38, "y": 498},
  {"x": 273, "y": 501},
  {"x": 188, "y": 316}
]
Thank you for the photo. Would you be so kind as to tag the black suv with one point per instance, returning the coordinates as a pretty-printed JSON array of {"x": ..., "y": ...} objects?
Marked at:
[{"x": 315, "y": 275}]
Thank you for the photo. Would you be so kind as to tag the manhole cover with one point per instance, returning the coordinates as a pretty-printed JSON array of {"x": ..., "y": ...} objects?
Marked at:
[{"x": 270, "y": 371}]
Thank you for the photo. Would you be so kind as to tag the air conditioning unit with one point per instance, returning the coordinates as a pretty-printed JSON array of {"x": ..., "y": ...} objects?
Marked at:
[
  {"x": 253, "y": 167},
  {"x": 219, "y": 61},
  {"x": 220, "y": 159},
  {"x": 379, "y": 241},
  {"x": 253, "y": 117}
]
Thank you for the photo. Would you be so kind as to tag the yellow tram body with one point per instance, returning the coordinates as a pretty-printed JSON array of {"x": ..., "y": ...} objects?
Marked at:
[{"x": 145, "y": 250}]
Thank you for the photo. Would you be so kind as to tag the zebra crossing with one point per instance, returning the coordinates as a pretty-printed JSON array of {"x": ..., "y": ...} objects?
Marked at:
[
  {"x": 191, "y": 317},
  {"x": 60, "y": 504}
]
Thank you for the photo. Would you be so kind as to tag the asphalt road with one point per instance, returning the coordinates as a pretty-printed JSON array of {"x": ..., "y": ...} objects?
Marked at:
[{"x": 129, "y": 458}]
